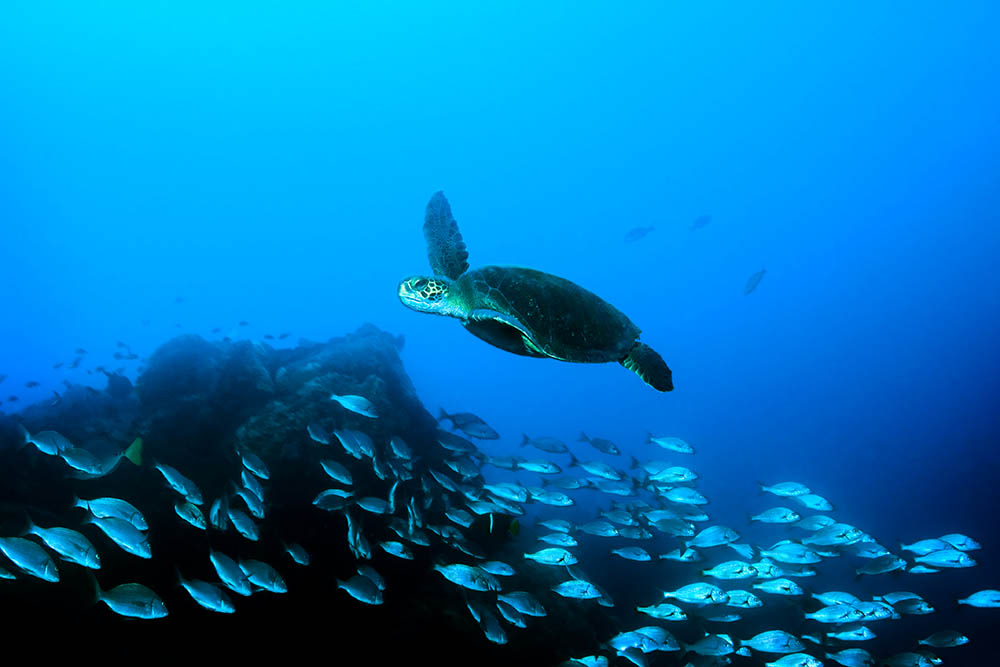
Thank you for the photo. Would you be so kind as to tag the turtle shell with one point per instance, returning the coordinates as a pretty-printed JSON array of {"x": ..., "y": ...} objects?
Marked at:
[{"x": 538, "y": 314}]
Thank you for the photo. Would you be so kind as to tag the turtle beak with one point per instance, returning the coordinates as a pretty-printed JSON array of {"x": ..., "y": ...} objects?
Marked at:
[{"x": 410, "y": 297}]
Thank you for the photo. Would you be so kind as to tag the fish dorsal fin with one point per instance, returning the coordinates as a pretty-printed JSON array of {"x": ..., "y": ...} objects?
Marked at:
[{"x": 445, "y": 247}]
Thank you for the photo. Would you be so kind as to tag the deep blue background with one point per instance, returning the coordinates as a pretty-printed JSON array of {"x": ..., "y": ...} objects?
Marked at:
[{"x": 272, "y": 165}]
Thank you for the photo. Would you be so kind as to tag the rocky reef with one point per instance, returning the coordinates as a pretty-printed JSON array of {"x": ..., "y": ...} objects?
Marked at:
[{"x": 198, "y": 404}]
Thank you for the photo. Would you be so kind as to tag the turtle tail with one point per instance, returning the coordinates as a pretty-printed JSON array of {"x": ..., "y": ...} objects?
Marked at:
[{"x": 648, "y": 365}]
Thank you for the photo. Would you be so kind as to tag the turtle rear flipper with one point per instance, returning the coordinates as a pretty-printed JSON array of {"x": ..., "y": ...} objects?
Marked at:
[
  {"x": 648, "y": 365},
  {"x": 445, "y": 247}
]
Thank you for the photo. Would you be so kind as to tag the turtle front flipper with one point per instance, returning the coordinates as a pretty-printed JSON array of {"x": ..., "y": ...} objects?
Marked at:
[
  {"x": 445, "y": 247},
  {"x": 503, "y": 331},
  {"x": 648, "y": 365}
]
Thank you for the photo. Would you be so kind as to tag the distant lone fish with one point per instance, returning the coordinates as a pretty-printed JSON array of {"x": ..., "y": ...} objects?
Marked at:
[
  {"x": 701, "y": 221},
  {"x": 637, "y": 233},
  {"x": 753, "y": 281},
  {"x": 357, "y": 404}
]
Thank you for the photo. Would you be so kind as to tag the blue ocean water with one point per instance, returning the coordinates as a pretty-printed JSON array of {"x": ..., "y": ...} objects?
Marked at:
[{"x": 172, "y": 168}]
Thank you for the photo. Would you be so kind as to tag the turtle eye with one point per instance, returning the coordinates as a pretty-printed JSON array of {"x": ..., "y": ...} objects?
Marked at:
[{"x": 419, "y": 284}]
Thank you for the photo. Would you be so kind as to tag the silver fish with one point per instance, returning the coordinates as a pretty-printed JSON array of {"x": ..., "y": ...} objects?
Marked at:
[
  {"x": 337, "y": 472},
  {"x": 924, "y": 547},
  {"x": 785, "y": 489},
  {"x": 699, "y": 593},
  {"x": 30, "y": 557},
  {"x": 664, "y": 612},
  {"x": 263, "y": 575},
  {"x": 988, "y": 598},
  {"x": 208, "y": 595},
  {"x": 70, "y": 544},
  {"x": 600, "y": 444},
  {"x": 254, "y": 504},
  {"x": 685, "y": 495},
  {"x": 254, "y": 464},
  {"x": 776, "y": 515},
  {"x": 753, "y": 281},
  {"x": 82, "y": 460},
  {"x": 545, "y": 443},
  {"x": 732, "y": 569},
  {"x": 192, "y": 514},
  {"x": 318, "y": 434},
  {"x": 853, "y": 657},
  {"x": 852, "y": 632},
  {"x": 632, "y": 553},
  {"x": 230, "y": 573},
  {"x": 961, "y": 542},
  {"x": 133, "y": 600},
  {"x": 244, "y": 525},
  {"x": 357, "y": 404},
  {"x": 795, "y": 660},
  {"x": 791, "y": 552},
  {"x": 498, "y": 568},
  {"x": 524, "y": 603},
  {"x": 400, "y": 449},
  {"x": 540, "y": 466},
  {"x": 774, "y": 641},
  {"x": 103, "y": 508},
  {"x": 124, "y": 534},
  {"x": 397, "y": 549},
  {"x": 180, "y": 483},
  {"x": 671, "y": 443},
  {"x": 780, "y": 587},
  {"x": 47, "y": 442},
  {"x": 552, "y": 498},
  {"x": 838, "y": 613},
  {"x": 362, "y": 589},
  {"x": 945, "y": 639},
  {"x": 713, "y": 536},
  {"x": 470, "y": 424},
  {"x": 218, "y": 515},
  {"x": 553, "y": 556},
  {"x": 371, "y": 573},
  {"x": 598, "y": 469},
  {"x": 946, "y": 558},
  {"x": 298, "y": 553},
  {"x": 813, "y": 502},
  {"x": 468, "y": 576},
  {"x": 573, "y": 588}
]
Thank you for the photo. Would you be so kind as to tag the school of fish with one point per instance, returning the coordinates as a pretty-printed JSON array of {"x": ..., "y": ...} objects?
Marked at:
[{"x": 653, "y": 513}]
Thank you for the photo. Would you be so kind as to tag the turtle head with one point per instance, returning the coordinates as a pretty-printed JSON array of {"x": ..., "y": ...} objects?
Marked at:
[{"x": 426, "y": 294}]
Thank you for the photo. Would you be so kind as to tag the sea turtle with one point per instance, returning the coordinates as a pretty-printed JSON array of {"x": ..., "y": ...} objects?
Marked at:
[{"x": 525, "y": 311}]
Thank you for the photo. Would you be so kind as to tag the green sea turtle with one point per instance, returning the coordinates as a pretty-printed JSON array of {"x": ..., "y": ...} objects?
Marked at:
[{"x": 525, "y": 311}]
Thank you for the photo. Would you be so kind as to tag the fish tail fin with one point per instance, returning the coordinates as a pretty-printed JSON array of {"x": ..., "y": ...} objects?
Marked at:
[
  {"x": 583, "y": 437},
  {"x": 750, "y": 518},
  {"x": 134, "y": 452},
  {"x": 25, "y": 434},
  {"x": 649, "y": 366},
  {"x": 96, "y": 593},
  {"x": 525, "y": 439},
  {"x": 30, "y": 528},
  {"x": 763, "y": 488},
  {"x": 573, "y": 461},
  {"x": 634, "y": 463},
  {"x": 442, "y": 415}
]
